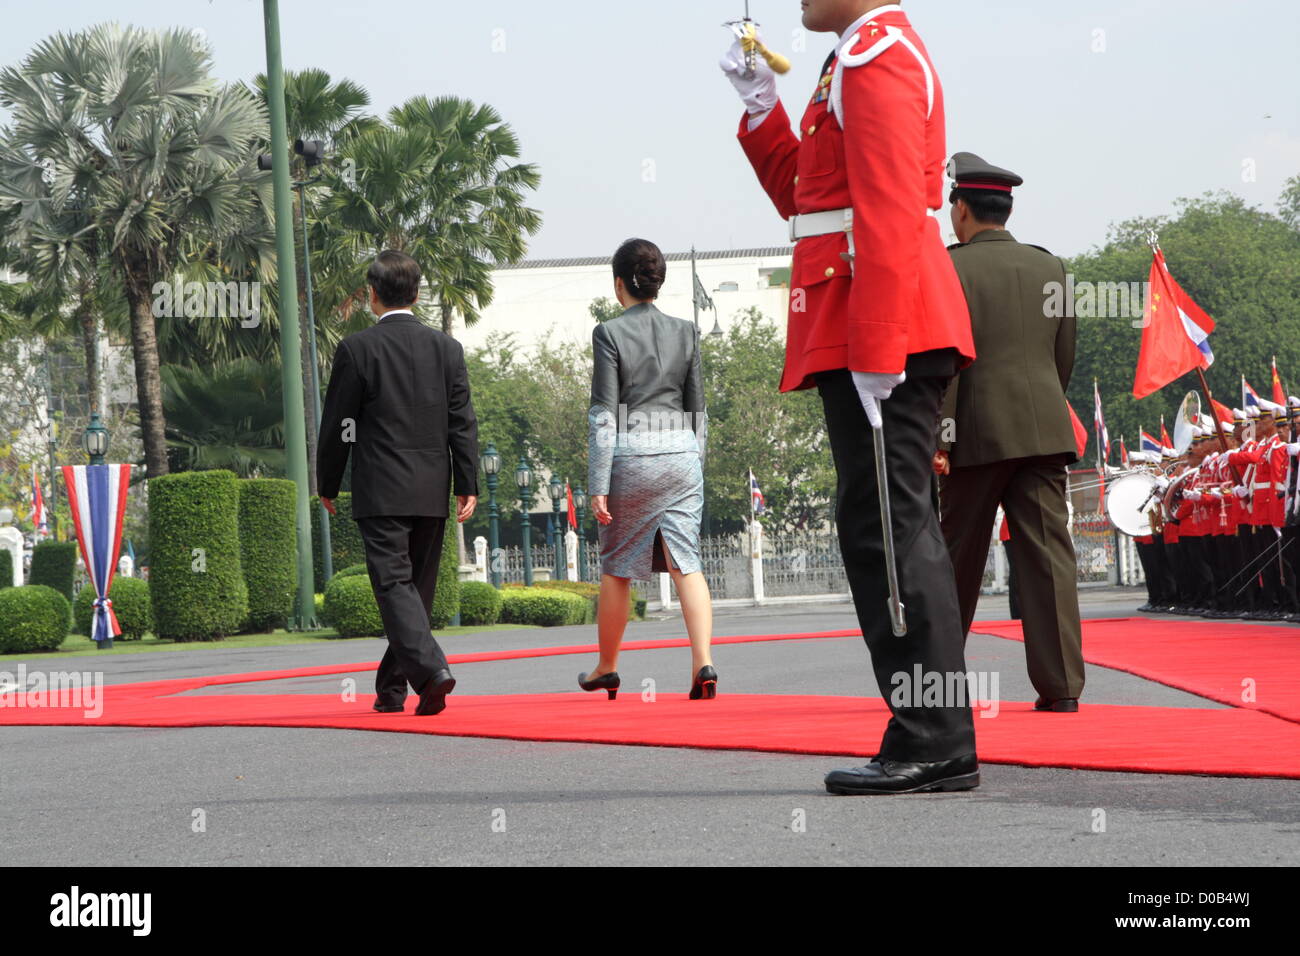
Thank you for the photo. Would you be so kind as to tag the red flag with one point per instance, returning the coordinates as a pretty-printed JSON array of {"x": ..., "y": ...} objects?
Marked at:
[
  {"x": 1279, "y": 394},
  {"x": 1175, "y": 333},
  {"x": 1222, "y": 412},
  {"x": 1123, "y": 452},
  {"x": 1165, "y": 440},
  {"x": 573, "y": 518},
  {"x": 1080, "y": 433}
]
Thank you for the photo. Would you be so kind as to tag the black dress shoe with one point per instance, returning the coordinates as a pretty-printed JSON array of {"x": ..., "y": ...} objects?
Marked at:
[
  {"x": 1062, "y": 705},
  {"x": 433, "y": 699},
  {"x": 1146, "y": 607},
  {"x": 389, "y": 708},
  {"x": 885, "y": 776}
]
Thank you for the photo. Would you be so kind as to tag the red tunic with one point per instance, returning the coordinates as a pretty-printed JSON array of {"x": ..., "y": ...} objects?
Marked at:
[{"x": 886, "y": 160}]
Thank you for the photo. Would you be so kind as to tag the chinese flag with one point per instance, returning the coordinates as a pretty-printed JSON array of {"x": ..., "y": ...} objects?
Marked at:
[
  {"x": 573, "y": 517},
  {"x": 1080, "y": 433},
  {"x": 1222, "y": 412},
  {"x": 1279, "y": 394},
  {"x": 1165, "y": 440},
  {"x": 1175, "y": 334}
]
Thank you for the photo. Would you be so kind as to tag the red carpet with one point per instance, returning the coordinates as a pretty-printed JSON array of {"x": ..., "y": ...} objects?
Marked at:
[
  {"x": 1238, "y": 741},
  {"x": 1209, "y": 659}
]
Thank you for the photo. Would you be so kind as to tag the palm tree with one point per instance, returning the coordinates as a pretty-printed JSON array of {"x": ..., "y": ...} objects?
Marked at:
[
  {"x": 152, "y": 153},
  {"x": 231, "y": 417},
  {"x": 438, "y": 182}
]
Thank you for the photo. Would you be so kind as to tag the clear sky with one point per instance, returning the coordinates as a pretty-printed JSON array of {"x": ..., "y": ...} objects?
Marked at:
[{"x": 1108, "y": 108}]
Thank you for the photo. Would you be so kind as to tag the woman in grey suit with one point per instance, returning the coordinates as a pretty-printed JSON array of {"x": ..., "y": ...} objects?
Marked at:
[{"x": 645, "y": 442}]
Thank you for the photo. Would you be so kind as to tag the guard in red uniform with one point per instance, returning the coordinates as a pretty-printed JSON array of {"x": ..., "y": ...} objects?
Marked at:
[{"x": 878, "y": 323}]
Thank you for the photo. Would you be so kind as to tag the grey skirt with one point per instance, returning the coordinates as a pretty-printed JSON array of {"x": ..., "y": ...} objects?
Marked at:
[{"x": 653, "y": 497}]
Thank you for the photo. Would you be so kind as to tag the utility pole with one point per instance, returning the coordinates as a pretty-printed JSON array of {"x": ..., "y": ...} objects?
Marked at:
[{"x": 295, "y": 431}]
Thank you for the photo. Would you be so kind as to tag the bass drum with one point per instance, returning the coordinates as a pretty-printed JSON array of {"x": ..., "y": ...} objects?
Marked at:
[{"x": 1130, "y": 501}]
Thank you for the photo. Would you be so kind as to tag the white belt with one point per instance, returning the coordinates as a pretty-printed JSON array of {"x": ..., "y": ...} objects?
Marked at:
[
  {"x": 1262, "y": 485},
  {"x": 826, "y": 222}
]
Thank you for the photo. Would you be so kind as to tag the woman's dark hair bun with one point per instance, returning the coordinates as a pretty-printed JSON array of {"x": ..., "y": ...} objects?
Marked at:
[{"x": 641, "y": 266}]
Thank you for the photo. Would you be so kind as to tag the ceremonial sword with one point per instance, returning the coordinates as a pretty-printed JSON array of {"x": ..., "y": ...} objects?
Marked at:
[{"x": 897, "y": 620}]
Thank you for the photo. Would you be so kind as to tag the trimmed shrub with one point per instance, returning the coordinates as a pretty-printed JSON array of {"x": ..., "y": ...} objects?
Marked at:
[
  {"x": 480, "y": 603},
  {"x": 6, "y": 568},
  {"x": 268, "y": 550},
  {"x": 591, "y": 591},
  {"x": 54, "y": 564},
  {"x": 446, "y": 596},
  {"x": 350, "y": 570},
  {"x": 350, "y": 607},
  {"x": 131, "y": 604},
  {"x": 318, "y": 602},
  {"x": 196, "y": 583},
  {"x": 33, "y": 618},
  {"x": 346, "y": 545},
  {"x": 547, "y": 607}
]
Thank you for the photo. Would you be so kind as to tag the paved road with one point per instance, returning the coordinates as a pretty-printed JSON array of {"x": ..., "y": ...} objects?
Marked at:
[{"x": 109, "y": 795}]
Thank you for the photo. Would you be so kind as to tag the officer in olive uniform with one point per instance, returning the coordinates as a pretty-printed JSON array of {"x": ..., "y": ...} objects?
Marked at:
[{"x": 1005, "y": 431}]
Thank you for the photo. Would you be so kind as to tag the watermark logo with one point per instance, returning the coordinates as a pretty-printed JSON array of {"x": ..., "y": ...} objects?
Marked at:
[
  {"x": 1096, "y": 300},
  {"x": 74, "y": 908},
  {"x": 57, "y": 689},
  {"x": 921, "y": 688},
  {"x": 209, "y": 300}
]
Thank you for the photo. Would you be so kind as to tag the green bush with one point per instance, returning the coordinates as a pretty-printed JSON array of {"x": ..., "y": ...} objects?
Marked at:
[
  {"x": 346, "y": 545},
  {"x": 446, "y": 597},
  {"x": 6, "y": 568},
  {"x": 33, "y": 617},
  {"x": 131, "y": 604},
  {"x": 196, "y": 583},
  {"x": 350, "y": 570},
  {"x": 547, "y": 607},
  {"x": 480, "y": 603},
  {"x": 318, "y": 602},
  {"x": 54, "y": 564},
  {"x": 591, "y": 591},
  {"x": 350, "y": 607},
  {"x": 268, "y": 546}
]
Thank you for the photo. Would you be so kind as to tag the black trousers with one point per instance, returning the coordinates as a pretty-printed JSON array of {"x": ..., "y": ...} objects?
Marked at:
[
  {"x": 402, "y": 555},
  {"x": 934, "y": 643}
]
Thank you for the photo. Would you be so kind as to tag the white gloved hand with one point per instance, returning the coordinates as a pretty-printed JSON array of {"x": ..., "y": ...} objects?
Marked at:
[
  {"x": 873, "y": 388},
  {"x": 1241, "y": 491},
  {"x": 1293, "y": 448},
  {"x": 758, "y": 91},
  {"x": 1193, "y": 496},
  {"x": 1162, "y": 483}
]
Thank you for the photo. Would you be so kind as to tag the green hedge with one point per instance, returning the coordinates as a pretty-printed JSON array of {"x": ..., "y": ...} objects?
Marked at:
[
  {"x": 268, "y": 546},
  {"x": 33, "y": 618},
  {"x": 350, "y": 570},
  {"x": 547, "y": 607},
  {"x": 196, "y": 582},
  {"x": 350, "y": 607},
  {"x": 480, "y": 603},
  {"x": 131, "y": 604},
  {"x": 346, "y": 545},
  {"x": 591, "y": 591},
  {"x": 446, "y": 597},
  {"x": 6, "y": 568},
  {"x": 54, "y": 564}
]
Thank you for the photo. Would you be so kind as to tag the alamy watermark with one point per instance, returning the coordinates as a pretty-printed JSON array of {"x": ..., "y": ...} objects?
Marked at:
[
  {"x": 179, "y": 299},
  {"x": 1096, "y": 300},
  {"x": 57, "y": 689}
]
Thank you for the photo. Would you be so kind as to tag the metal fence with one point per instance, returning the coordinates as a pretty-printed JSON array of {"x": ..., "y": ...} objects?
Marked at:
[{"x": 790, "y": 565}]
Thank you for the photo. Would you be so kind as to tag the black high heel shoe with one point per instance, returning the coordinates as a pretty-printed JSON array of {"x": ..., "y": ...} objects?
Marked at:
[
  {"x": 606, "y": 682},
  {"x": 705, "y": 685}
]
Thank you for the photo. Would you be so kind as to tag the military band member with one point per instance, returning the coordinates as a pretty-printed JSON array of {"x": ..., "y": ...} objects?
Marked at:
[
  {"x": 878, "y": 325},
  {"x": 1005, "y": 431}
]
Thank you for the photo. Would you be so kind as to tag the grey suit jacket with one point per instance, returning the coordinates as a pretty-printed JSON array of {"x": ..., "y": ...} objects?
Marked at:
[{"x": 647, "y": 396}]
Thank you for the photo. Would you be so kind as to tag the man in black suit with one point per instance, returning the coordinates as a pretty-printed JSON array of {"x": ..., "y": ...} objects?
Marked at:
[{"x": 400, "y": 391}]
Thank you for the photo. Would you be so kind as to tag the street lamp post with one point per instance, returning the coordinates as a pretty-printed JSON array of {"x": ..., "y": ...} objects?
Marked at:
[
  {"x": 580, "y": 512},
  {"x": 491, "y": 466},
  {"x": 557, "y": 495},
  {"x": 524, "y": 479},
  {"x": 295, "y": 432},
  {"x": 94, "y": 440}
]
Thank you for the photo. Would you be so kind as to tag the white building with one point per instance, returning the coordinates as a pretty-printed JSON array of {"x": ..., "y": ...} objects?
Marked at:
[{"x": 538, "y": 297}]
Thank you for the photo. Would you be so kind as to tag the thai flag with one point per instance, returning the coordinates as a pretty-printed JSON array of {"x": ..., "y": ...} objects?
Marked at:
[
  {"x": 756, "y": 503},
  {"x": 97, "y": 499},
  {"x": 1151, "y": 443},
  {"x": 1103, "y": 436},
  {"x": 40, "y": 520},
  {"x": 1249, "y": 397}
]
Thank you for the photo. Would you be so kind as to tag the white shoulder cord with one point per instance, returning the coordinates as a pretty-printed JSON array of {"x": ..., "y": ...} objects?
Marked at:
[{"x": 845, "y": 58}]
